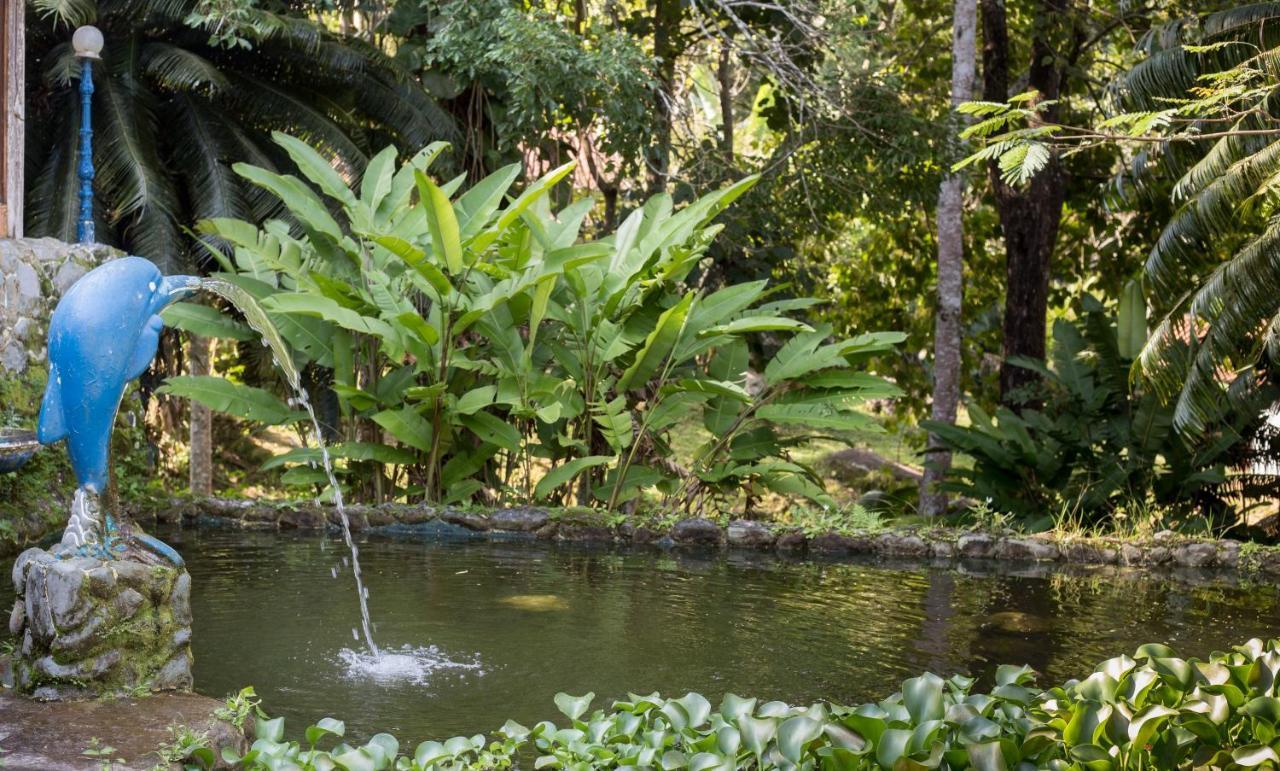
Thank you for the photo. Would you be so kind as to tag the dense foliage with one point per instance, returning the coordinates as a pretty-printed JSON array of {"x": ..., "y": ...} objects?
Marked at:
[
  {"x": 1099, "y": 441},
  {"x": 176, "y": 104},
  {"x": 1196, "y": 116},
  {"x": 840, "y": 112},
  {"x": 506, "y": 359},
  {"x": 1152, "y": 710}
]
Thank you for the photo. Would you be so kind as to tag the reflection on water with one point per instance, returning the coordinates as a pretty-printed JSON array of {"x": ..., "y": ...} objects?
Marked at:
[{"x": 521, "y": 621}]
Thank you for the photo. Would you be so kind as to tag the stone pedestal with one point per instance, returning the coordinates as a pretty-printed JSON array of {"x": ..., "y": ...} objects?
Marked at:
[{"x": 90, "y": 628}]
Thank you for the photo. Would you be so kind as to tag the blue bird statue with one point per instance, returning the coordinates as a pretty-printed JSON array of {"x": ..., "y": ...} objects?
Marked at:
[{"x": 104, "y": 333}]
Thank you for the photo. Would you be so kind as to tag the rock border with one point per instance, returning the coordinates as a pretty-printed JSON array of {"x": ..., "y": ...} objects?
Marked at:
[{"x": 1165, "y": 549}]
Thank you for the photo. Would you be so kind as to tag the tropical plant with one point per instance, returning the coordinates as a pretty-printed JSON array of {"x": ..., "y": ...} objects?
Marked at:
[
  {"x": 1200, "y": 112},
  {"x": 180, "y": 97},
  {"x": 500, "y": 356},
  {"x": 1098, "y": 441},
  {"x": 1151, "y": 710}
]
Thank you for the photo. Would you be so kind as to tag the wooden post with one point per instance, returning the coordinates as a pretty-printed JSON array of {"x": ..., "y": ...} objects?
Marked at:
[
  {"x": 12, "y": 82},
  {"x": 201, "y": 458}
]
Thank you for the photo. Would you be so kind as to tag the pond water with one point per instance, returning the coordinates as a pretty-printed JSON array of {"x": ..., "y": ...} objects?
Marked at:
[{"x": 525, "y": 620}]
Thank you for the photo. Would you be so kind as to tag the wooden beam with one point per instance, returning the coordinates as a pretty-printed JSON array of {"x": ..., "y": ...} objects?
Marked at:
[{"x": 12, "y": 117}]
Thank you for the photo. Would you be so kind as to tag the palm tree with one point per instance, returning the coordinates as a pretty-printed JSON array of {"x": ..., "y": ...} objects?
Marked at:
[
  {"x": 1214, "y": 271},
  {"x": 179, "y": 99}
]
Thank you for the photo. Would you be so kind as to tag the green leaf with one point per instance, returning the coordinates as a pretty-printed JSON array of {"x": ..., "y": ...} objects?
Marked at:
[
  {"x": 493, "y": 430},
  {"x": 319, "y": 306},
  {"x": 816, "y": 416},
  {"x": 718, "y": 387},
  {"x": 892, "y": 746},
  {"x": 406, "y": 425},
  {"x": 923, "y": 697},
  {"x": 204, "y": 321},
  {"x": 794, "y": 734},
  {"x": 573, "y": 707},
  {"x": 325, "y": 726},
  {"x": 1131, "y": 326},
  {"x": 315, "y": 168},
  {"x": 757, "y": 324},
  {"x": 356, "y": 760},
  {"x": 223, "y": 395},
  {"x": 378, "y": 175},
  {"x": 757, "y": 732},
  {"x": 269, "y": 730},
  {"x": 476, "y": 399},
  {"x": 477, "y": 205},
  {"x": 657, "y": 345},
  {"x": 442, "y": 222},
  {"x": 417, "y": 259},
  {"x": 299, "y": 198},
  {"x": 987, "y": 757},
  {"x": 1255, "y": 755},
  {"x": 566, "y": 472}
]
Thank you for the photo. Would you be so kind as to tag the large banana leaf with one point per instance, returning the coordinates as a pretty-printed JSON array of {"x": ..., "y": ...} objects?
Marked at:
[{"x": 238, "y": 399}]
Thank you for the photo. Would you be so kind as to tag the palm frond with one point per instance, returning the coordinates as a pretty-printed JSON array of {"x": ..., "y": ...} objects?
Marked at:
[
  {"x": 1181, "y": 250},
  {"x": 205, "y": 154},
  {"x": 152, "y": 11},
  {"x": 1167, "y": 72},
  {"x": 406, "y": 109},
  {"x": 1241, "y": 17},
  {"x": 71, "y": 13},
  {"x": 52, "y": 198},
  {"x": 178, "y": 69},
  {"x": 254, "y": 149},
  {"x": 1214, "y": 337},
  {"x": 130, "y": 172},
  {"x": 268, "y": 106},
  {"x": 61, "y": 67}
]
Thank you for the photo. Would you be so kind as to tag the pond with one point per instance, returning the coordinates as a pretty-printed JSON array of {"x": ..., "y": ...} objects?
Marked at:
[{"x": 523, "y": 620}]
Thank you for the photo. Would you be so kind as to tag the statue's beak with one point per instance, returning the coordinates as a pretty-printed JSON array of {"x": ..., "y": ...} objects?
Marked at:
[{"x": 175, "y": 288}]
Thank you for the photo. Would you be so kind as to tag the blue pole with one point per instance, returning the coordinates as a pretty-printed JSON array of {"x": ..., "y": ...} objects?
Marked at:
[{"x": 84, "y": 228}]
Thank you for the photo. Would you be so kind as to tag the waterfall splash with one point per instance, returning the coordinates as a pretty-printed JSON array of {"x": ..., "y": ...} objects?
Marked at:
[{"x": 260, "y": 323}]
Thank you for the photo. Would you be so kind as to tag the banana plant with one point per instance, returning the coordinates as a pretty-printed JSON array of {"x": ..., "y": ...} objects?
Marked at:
[{"x": 482, "y": 348}]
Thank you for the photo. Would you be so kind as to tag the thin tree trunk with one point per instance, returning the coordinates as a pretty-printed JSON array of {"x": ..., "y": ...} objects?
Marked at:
[
  {"x": 725, "y": 75},
  {"x": 201, "y": 453},
  {"x": 946, "y": 345},
  {"x": 1029, "y": 216},
  {"x": 667, "y": 15}
]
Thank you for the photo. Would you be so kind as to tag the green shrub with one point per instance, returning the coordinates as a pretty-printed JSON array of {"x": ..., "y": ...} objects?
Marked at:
[
  {"x": 1097, "y": 441},
  {"x": 1149, "y": 711},
  {"x": 508, "y": 359}
]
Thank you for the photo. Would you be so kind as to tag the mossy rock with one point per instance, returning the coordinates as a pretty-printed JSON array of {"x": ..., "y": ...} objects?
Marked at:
[{"x": 90, "y": 628}]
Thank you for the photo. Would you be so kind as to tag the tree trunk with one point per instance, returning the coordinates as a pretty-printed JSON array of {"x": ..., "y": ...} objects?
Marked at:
[
  {"x": 1029, "y": 215},
  {"x": 667, "y": 15},
  {"x": 201, "y": 453},
  {"x": 725, "y": 75},
  {"x": 946, "y": 344}
]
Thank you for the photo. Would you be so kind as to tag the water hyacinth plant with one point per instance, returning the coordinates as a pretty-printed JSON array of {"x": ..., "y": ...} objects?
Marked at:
[
  {"x": 1152, "y": 710},
  {"x": 482, "y": 350}
]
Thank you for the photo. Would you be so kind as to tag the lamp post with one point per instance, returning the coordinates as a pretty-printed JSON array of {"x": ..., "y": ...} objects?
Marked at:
[{"x": 87, "y": 42}]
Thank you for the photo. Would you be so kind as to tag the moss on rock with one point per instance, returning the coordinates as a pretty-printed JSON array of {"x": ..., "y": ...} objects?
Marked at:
[{"x": 91, "y": 628}]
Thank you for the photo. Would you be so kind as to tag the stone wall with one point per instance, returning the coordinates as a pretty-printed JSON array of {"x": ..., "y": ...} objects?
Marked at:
[
  {"x": 34, "y": 272},
  {"x": 1165, "y": 550}
]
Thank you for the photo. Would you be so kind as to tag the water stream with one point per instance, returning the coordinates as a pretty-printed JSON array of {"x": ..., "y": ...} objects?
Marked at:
[{"x": 258, "y": 320}]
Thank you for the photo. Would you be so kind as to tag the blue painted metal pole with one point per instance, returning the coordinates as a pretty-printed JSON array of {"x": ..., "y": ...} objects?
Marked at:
[{"x": 84, "y": 228}]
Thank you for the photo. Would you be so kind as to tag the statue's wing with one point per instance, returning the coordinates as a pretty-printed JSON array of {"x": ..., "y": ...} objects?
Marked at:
[
  {"x": 144, "y": 349},
  {"x": 53, "y": 425}
]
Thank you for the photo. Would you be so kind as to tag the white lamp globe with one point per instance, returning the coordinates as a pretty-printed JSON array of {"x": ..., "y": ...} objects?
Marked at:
[{"x": 87, "y": 42}]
